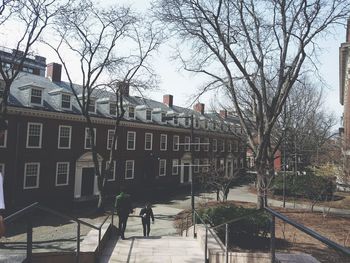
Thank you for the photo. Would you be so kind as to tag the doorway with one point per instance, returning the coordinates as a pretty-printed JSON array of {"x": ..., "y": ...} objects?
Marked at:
[{"x": 87, "y": 181}]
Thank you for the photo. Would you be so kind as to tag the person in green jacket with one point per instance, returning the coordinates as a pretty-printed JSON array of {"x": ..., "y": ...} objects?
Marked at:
[{"x": 123, "y": 208}]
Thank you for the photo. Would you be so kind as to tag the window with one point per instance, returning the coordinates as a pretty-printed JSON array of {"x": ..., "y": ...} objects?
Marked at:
[
  {"x": 163, "y": 117},
  {"x": 176, "y": 140},
  {"x": 148, "y": 115},
  {"x": 196, "y": 165},
  {"x": 148, "y": 141},
  {"x": 206, "y": 145},
  {"x": 129, "y": 169},
  {"x": 31, "y": 175},
  {"x": 163, "y": 142},
  {"x": 222, "y": 164},
  {"x": 3, "y": 139},
  {"x": 131, "y": 138},
  {"x": 187, "y": 143},
  {"x": 62, "y": 173},
  {"x": 111, "y": 173},
  {"x": 176, "y": 120},
  {"x": 187, "y": 121},
  {"x": 206, "y": 124},
  {"x": 110, "y": 137},
  {"x": 91, "y": 106},
  {"x": 36, "y": 96},
  {"x": 65, "y": 101},
  {"x": 26, "y": 69},
  {"x": 88, "y": 139},
  {"x": 205, "y": 165},
  {"x": 131, "y": 112},
  {"x": 235, "y": 163},
  {"x": 64, "y": 137},
  {"x": 236, "y": 146},
  {"x": 215, "y": 145},
  {"x": 112, "y": 109},
  {"x": 241, "y": 163},
  {"x": 196, "y": 123},
  {"x": 197, "y": 145},
  {"x": 214, "y": 125},
  {"x": 175, "y": 167},
  {"x": 162, "y": 167},
  {"x": 34, "y": 133},
  {"x": 229, "y": 168},
  {"x": 229, "y": 149},
  {"x": 222, "y": 145}
]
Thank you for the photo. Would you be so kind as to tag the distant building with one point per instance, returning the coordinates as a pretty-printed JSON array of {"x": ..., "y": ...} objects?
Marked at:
[{"x": 46, "y": 153}]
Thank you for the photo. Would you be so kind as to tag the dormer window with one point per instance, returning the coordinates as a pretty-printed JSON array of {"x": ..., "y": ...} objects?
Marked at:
[
  {"x": 112, "y": 109},
  {"x": 26, "y": 69},
  {"x": 206, "y": 124},
  {"x": 214, "y": 125},
  {"x": 163, "y": 117},
  {"x": 65, "y": 101},
  {"x": 187, "y": 121},
  {"x": 36, "y": 96},
  {"x": 148, "y": 115},
  {"x": 131, "y": 112},
  {"x": 176, "y": 121},
  {"x": 196, "y": 122},
  {"x": 91, "y": 106}
]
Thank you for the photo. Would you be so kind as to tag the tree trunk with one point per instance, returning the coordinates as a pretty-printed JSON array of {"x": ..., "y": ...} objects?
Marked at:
[{"x": 260, "y": 188}]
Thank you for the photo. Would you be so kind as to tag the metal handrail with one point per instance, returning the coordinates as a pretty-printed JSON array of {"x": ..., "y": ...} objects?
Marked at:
[
  {"x": 304, "y": 229},
  {"x": 36, "y": 205}
]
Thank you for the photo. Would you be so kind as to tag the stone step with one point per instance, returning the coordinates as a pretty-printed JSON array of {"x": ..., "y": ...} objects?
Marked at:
[{"x": 295, "y": 258}]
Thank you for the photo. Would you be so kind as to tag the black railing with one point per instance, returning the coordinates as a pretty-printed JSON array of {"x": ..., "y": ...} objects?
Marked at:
[
  {"x": 36, "y": 206},
  {"x": 208, "y": 228}
]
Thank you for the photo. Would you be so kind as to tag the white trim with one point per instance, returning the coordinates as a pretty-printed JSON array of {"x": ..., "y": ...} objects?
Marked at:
[
  {"x": 133, "y": 169},
  {"x": 206, "y": 146},
  {"x": 59, "y": 136},
  {"x": 166, "y": 142},
  {"x": 108, "y": 139},
  {"x": 127, "y": 141},
  {"x": 187, "y": 144},
  {"x": 3, "y": 168},
  {"x": 175, "y": 164},
  {"x": 37, "y": 175},
  {"x": 197, "y": 146},
  {"x": 177, "y": 143},
  {"x": 67, "y": 174},
  {"x": 114, "y": 172},
  {"x": 162, "y": 161},
  {"x": 4, "y": 139},
  {"x": 148, "y": 133},
  {"x": 87, "y": 133},
  {"x": 222, "y": 145},
  {"x": 215, "y": 143},
  {"x": 41, "y": 133}
]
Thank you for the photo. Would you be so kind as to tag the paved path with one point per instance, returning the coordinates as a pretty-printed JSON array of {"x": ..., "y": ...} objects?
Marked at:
[{"x": 162, "y": 249}]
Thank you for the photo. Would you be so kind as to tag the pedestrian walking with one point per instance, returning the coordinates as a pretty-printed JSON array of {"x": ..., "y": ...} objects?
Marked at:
[
  {"x": 146, "y": 214},
  {"x": 124, "y": 208}
]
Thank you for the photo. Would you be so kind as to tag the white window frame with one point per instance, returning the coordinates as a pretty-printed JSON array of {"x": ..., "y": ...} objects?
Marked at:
[
  {"x": 229, "y": 146},
  {"x": 126, "y": 171},
  {"x": 215, "y": 145},
  {"x": 133, "y": 111},
  {"x": 235, "y": 146},
  {"x": 70, "y": 101},
  {"x": 92, "y": 104},
  {"x": 161, "y": 142},
  {"x": 110, "y": 139},
  {"x": 37, "y": 176},
  {"x": 116, "y": 106},
  {"x": 196, "y": 165},
  {"x": 206, "y": 146},
  {"x": 187, "y": 143},
  {"x": 176, "y": 142},
  {"x": 149, "y": 114},
  {"x": 127, "y": 141},
  {"x": 59, "y": 136},
  {"x": 160, "y": 166},
  {"x": 235, "y": 163},
  {"x": 205, "y": 165},
  {"x": 4, "y": 139},
  {"x": 2, "y": 169},
  {"x": 67, "y": 175},
  {"x": 175, "y": 165},
  {"x": 197, "y": 141},
  {"x": 114, "y": 172},
  {"x": 222, "y": 164},
  {"x": 40, "y": 138},
  {"x": 87, "y": 133},
  {"x": 222, "y": 145},
  {"x": 151, "y": 141},
  {"x": 41, "y": 97}
]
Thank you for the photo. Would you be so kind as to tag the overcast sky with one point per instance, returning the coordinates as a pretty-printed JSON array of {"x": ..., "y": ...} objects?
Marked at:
[{"x": 182, "y": 85}]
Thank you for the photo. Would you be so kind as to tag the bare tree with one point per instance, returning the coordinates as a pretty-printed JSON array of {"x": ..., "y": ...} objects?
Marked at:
[
  {"x": 94, "y": 35},
  {"x": 260, "y": 46},
  {"x": 33, "y": 16}
]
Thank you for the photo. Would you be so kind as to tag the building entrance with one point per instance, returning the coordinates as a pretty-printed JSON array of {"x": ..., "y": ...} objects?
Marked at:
[{"x": 87, "y": 181}]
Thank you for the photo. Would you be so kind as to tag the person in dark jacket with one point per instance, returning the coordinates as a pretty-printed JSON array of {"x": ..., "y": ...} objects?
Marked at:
[
  {"x": 124, "y": 208},
  {"x": 146, "y": 213}
]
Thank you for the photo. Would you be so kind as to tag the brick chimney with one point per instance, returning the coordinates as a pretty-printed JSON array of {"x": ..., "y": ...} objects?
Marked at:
[
  {"x": 199, "y": 107},
  {"x": 168, "y": 100},
  {"x": 54, "y": 71},
  {"x": 348, "y": 31},
  {"x": 223, "y": 114},
  {"x": 124, "y": 88}
]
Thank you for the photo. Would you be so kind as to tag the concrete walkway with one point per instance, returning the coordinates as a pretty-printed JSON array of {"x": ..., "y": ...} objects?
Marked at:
[{"x": 162, "y": 249}]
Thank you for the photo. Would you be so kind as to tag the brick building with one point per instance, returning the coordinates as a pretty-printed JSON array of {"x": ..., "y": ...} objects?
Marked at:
[{"x": 46, "y": 151}]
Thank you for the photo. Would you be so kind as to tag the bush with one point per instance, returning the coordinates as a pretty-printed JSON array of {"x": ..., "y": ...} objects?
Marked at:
[
  {"x": 308, "y": 185},
  {"x": 255, "y": 224}
]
